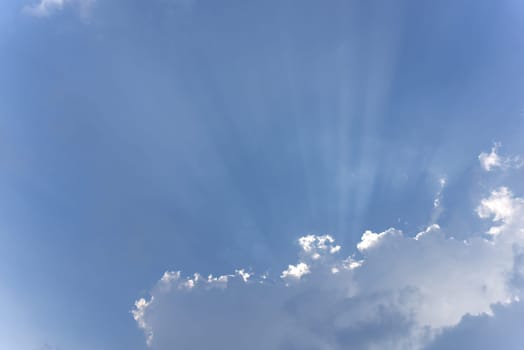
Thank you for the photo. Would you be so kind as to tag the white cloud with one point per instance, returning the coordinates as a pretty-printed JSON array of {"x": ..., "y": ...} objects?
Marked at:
[
  {"x": 314, "y": 246},
  {"x": 44, "y": 8},
  {"x": 141, "y": 306},
  {"x": 502, "y": 206},
  {"x": 437, "y": 202},
  {"x": 370, "y": 239},
  {"x": 242, "y": 273},
  {"x": 492, "y": 160},
  {"x": 295, "y": 271},
  {"x": 438, "y": 198},
  {"x": 394, "y": 292}
]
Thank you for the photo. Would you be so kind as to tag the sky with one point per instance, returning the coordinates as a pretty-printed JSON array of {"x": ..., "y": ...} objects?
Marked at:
[{"x": 266, "y": 175}]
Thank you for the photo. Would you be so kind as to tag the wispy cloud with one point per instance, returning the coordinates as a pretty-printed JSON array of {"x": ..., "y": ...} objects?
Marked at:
[
  {"x": 491, "y": 161},
  {"x": 437, "y": 202},
  {"x": 45, "y": 8}
]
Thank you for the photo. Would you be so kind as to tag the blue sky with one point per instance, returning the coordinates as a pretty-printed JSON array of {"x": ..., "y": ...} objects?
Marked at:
[{"x": 139, "y": 137}]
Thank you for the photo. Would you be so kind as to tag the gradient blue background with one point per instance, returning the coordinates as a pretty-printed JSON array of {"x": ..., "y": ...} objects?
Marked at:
[{"x": 208, "y": 135}]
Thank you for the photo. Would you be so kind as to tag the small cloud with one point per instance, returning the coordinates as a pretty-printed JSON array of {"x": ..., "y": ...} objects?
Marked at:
[
  {"x": 242, "y": 273},
  {"x": 437, "y": 202},
  {"x": 138, "y": 313},
  {"x": 492, "y": 160},
  {"x": 501, "y": 206},
  {"x": 45, "y": 8},
  {"x": 295, "y": 271},
  {"x": 315, "y": 247},
  {"x": 370, "y": 239},
  {"x": 438, "y": 197}
]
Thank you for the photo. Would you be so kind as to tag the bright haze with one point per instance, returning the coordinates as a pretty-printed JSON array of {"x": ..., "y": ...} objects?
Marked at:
[{"x": 262, "y": 175}]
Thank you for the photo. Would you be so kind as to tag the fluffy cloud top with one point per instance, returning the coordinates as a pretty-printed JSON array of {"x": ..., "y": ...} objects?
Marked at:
[{"x": 393, "y": 292}]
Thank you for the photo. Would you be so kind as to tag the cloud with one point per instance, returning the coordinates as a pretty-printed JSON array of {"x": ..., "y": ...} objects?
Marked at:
[
  {"x": 45, "y": 8},
  {"x": 437, "y": 202},
  {"x": 393, "y": 292},
  {"x": 501, "y": 330},
  {"x": 295, "y": 271},
  {"x": 500, "y": 205},
  {"x": 492, "y": 160}
]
